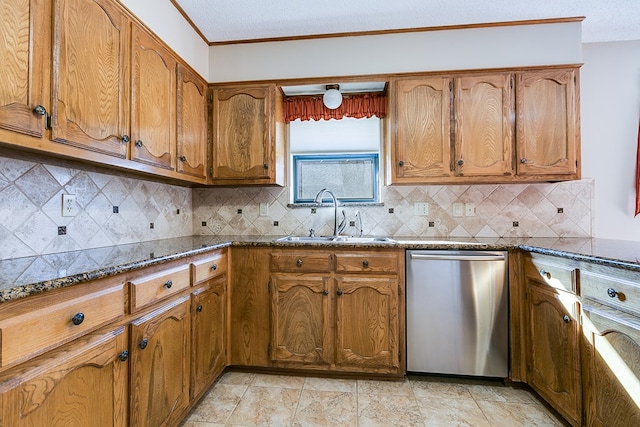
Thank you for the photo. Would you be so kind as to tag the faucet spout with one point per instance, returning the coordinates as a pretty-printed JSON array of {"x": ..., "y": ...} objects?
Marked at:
[{"x": 334, "y": 199}]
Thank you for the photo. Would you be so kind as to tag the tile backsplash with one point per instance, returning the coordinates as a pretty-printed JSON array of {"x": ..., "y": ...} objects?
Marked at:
[
  {"x": 117, "y": 209},
  {"x": 506, "y": 210},
  {"x": 31, "y": 209}
]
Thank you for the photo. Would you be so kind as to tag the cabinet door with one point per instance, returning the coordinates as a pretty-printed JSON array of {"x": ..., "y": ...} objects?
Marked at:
[
  {"x": 548, "y": 123},
  {"x": 242, "y": 137},
  {"x": 24, "y": 81},
  {"x": 554, "y": 367},
  {"x": 484, "y": 125},
  {"x": 367, "y": 336},
  {"x": 612, "y": 368},
  {"x": 153, "y": 96},
  {"x": 300, "y": 310},
  {"x": 192, "y": 123},
  {"x": 208, "y": 334},
  {"x": 91, "y": 76},
  {"x": 83, "y": 384},
  {"x": 160, "y": 355},
  {"x": 421, "y": 146}
]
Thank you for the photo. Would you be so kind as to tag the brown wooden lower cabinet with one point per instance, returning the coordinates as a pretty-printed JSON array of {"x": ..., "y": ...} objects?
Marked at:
[
  {"x": 160, "y": 355},
  {"x": 81, "y": 384},
  {"x": 208, "y": 334},
  {"x": 611, "y": 366}
]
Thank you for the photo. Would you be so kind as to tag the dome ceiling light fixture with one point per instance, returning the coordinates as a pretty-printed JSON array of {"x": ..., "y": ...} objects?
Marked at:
[{"x": 332, "y": 98}]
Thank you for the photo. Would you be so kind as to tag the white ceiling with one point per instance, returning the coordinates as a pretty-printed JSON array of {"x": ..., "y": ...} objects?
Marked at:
[{"x": 224, "y": 20}]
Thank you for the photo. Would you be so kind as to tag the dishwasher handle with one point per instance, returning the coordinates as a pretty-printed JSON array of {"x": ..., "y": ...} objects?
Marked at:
[{"x": 458, "y": 257}]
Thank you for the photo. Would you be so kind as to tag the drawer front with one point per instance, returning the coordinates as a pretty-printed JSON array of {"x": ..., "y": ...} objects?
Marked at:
[
  {"x": 364, "y": 262},
  {"x": 551, "y": 270},
  {"x": 301, "y": 262},
  {"x": 209, "y": 267},
  {"x": 612, "y": 291},
  {"x": 149, "y": 289},
  {"x": 33, "y": 332}
]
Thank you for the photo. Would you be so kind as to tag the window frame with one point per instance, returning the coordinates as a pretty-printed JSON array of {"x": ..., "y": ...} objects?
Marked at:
[{"x": 297, "y": 159}]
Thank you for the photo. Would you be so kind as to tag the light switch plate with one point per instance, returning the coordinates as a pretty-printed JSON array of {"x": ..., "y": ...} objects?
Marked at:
[
  {"x": 469, "y": 209},
  {"x": 458, "y": 209},
  {"x": 421, "y": 209},
  {"x": 264, "y": 209}
]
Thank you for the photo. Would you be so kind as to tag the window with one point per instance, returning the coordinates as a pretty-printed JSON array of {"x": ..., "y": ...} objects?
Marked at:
[
  {"x": 341, "y": 155},
  {"x": 351, "y": 177}
]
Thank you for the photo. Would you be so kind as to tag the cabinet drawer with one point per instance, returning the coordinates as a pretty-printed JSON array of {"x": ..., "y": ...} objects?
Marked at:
[
  {"x": 209, "y": 267},
  {"x": 302, "y": 262},
  {"x": 551, "y": 270},
  {"x": 43, "y": 324},
  {"x": 364, "y": 262},
  {"x": 612, "y": 291},
  {"x": 148, "y": 289}
]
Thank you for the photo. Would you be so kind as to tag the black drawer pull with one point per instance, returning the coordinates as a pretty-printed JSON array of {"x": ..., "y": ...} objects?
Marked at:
[
  {"x": 199, "y": 308},
  {"x": 168, "y": 284},
  {"x": 299, "y": 263},
  {"x": 78, "y": 318},
  {"x": 612, "y": 292},
  {"x": 566, "y": 318},
  {"x": 339, "y": 292},
  {"x": 214, "y": 267},
  {"x": 365, "y": 263},
  {"x": 124, "y": 356},
  {"x": 143, "y": 344}
]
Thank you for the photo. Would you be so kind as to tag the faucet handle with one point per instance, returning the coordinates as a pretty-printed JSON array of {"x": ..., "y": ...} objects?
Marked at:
[{"x": 343, "y": 223}]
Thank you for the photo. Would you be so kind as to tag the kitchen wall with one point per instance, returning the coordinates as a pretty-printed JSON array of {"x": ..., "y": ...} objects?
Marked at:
[
  {"x": 610, "y": 101},
  {"x": 509, "y": 210},
  {"x": 31, "y": 210}
]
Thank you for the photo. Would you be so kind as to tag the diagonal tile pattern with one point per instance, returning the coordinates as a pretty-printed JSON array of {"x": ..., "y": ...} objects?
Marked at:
[
  {"x": 248, "y": 399},
  {"x": 31, "y": 212},
  {"x": 506, "y": 210},
  {"x": 32, "y": 191}
]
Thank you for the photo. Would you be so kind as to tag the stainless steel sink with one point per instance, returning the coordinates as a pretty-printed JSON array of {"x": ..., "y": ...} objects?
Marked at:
[{"x": 331, "y": 239}]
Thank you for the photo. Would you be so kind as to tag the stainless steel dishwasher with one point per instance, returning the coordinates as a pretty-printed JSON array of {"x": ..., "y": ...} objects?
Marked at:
[{"x": 457, "y": 312}]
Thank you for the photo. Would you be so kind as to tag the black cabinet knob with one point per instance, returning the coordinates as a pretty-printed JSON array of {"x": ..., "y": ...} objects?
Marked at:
[
  {"x": 199, "y": 308},
  {"x": 299, "y": 263},
  {"x": 78, "y": 318},
  {"x": 39, "y": 110},
  {"x": 143, "y": 344},
  {"x": 566, "y": 318},
  {"x": 125, "y": 138},
  {"x": 523, "y": 160},
  {"x": 124, "y": 356},
  {"x": 183, "y": 158},
  {"x": 460, "y": 162},
  {"x": 339, "y": 292},
  {"x": 214, "y": 267},
  {"x": 265, "y": 165},
  {"x": 138, "y": 143},
  {"x": 168, "y": 284},
  {"x": 400, "y": 163},
  {"x": 325, "y": 292},
  {"x": 612, "y": 292},
  {"x": 365, "y": 263}
]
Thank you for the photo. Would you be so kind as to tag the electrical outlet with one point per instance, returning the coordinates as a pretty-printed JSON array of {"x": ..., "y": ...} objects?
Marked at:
[
  {"x": 421, "y": 209},
  {"x": 458, "y": 209},
  {"x": 264, "y": 209},
  {"x": 469, "y": 209},
  {"x": 69, "y": 205}
]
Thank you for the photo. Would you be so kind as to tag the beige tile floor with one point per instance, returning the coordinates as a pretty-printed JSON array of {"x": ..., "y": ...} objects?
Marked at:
[{"x": 247, "y": 399}]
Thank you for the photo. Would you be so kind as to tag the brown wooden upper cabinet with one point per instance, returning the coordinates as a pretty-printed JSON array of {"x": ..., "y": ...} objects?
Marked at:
[
  {"x": 480, "y": 127},
  {"x": 248, "y": 131},
  {"x": 192, "y": 123},
  {"x": 23, "y": 55},
  {"x": 153, "y": 101},
  {"x": 91, "y": 76},
  {"x": 114, "y": 89},
  {"x": 483, "y": 125},
  {"x": 548, "y": 127},
  {"x": 421, "y": 111}
]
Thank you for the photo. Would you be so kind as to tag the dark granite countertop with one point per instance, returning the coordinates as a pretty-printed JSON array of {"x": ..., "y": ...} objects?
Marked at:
[{"x": 20, "y": 277}]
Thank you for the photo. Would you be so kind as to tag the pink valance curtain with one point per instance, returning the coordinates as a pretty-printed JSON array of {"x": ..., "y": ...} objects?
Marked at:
[{"x": 354, "y": 105}]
